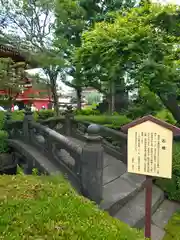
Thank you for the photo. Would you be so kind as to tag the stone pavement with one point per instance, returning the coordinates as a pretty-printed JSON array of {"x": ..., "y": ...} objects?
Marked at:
[{"x": 161, "y": 217}]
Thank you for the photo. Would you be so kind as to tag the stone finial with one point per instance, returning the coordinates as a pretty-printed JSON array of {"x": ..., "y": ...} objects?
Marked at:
[
  {"x": 93, "y": 129},
  {"x": 28, "y": 110},
  {"x": 93, "y": 133},
  {"x": 69, "y": 110},
  {"x": 28, "y": 114}
]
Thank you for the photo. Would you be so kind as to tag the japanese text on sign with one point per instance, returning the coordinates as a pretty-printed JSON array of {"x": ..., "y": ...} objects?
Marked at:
[{"x": 150, "y": 150}]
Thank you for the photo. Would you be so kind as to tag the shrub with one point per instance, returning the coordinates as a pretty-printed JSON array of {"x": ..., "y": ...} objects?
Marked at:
[
  {"x": 138, "y": 111},
  {"x": 172, "y": 228},
  {"x": 108, "y": 120},
  {"x": 2, "y": 119},
  {"x": 3, "y": 141},
  {"x": 172, "y": 186},
  {"x": 87, "y": 112},
  {"x": 45, "y": 114},
  {"x": 17, "y": 115},
  {"x": 166, "y": 116},
  {"x": 41, "y": 207}
]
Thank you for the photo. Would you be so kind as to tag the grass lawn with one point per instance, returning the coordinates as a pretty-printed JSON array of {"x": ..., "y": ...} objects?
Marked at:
[
  {"x": 33, "y": 207},
  {"x": 173, "y": 228}
]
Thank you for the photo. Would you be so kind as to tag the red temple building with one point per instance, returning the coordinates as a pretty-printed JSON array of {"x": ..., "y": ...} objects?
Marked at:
[{"x": 29, "y": 95}]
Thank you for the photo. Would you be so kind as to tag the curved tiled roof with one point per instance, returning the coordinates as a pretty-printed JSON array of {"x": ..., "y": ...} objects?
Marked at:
[{"x": 7, "y": 50}]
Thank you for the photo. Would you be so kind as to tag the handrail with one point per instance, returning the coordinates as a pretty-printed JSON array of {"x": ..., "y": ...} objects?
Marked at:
[
  {"x": 112, "y": 131},
  {"x": 58, "y": 137},
  {"x": 14, "y": 121}
]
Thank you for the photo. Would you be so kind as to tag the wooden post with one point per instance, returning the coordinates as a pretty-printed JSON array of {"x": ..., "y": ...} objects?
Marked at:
[
  {"x": 148, "y": 203},
  {"x": 150, "y": 143}
]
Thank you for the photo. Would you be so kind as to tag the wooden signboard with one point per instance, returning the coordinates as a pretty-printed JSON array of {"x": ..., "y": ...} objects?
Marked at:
[
  {"x": 150, "y": 143},
  {"x": 150, "y": 150}
]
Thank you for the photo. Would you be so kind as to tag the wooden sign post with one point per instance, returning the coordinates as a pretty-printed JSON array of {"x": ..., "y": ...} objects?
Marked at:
[{"x": 150, "y": 153}]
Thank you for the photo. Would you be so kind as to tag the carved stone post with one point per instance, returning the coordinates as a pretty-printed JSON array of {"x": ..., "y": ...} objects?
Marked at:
[
  {"x": 124, "y": 151},
  {"x": 92, "y": 165},
  {"x": 68, "y": 121},
  {"x": 27, "y": 118}
]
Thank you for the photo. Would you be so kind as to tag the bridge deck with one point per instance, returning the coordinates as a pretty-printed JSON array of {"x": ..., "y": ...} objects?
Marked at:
[
  {"x": 39, "y": 160},
  {"x": 113, "y": 168},
  {"x": 119, "y": 185},
  {"x": 124, "y": 195}
]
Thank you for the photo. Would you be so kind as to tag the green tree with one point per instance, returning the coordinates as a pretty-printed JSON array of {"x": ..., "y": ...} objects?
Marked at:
[
  {"x": 32, "y": 25},
  {"x": 93, "y": 98},
  {"x": 82, "y": 15},
  {"x": 140, "y": 48}
]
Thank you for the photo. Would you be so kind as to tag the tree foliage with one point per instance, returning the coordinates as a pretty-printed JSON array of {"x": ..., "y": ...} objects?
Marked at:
[
  {"x": 33, "y": 23},
  {"x": 139, "y": 47},
  {"x": 11, "y": 79},
  {"x": 82, "y": 16}
]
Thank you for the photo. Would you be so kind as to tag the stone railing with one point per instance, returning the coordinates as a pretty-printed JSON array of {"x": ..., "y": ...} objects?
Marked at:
[
  {"x": 114, "y": 142},
  {"x": 83, "y": 166}
]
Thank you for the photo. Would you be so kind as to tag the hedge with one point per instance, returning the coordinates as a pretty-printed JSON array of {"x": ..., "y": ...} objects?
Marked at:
[
  {"x": 87, "y": 112},
  {"x": 46, "y": 207},
  {"x": 106, "y": 120},
  {"x": 172, "y": 186},
  {"x": 173, "y": 228},
  {"x": 3, "y": 141},
  {"x": 2, "y": 120}
]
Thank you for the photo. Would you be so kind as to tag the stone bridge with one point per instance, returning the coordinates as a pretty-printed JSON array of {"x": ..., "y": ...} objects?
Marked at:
[{"x": 91, "y": 157}]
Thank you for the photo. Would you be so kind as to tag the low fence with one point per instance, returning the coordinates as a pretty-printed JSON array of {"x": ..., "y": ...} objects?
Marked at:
[
  {"x": 82, "y": 165},
  {"x": 114, "y": 142}
]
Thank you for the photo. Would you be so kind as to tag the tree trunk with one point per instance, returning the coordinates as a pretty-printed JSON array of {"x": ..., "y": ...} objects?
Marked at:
[
  {"x": 121, "y": 96},
  {"x": 113, "y": 93},
  {"x": 55, "y": 99},
  {"x": 49, "y": 96},
  {"x": 79, "y": 96},
  {"x": 109, "y": 101},
  {"x": 171, "y": 103}
]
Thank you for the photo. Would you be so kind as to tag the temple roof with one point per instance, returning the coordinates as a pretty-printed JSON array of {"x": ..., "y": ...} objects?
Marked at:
[{"x": 7, "y": 50}]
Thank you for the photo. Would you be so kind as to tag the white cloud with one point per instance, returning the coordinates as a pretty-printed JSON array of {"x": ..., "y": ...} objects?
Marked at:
[
  {"x": 39, "y": 71},
  {"x": 177, "y": 2}
]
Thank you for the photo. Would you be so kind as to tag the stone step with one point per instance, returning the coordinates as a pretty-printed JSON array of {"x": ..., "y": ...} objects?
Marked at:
[
  {"x": 133, "y": 212},
  {"x": 164, "y": 212},
  {"x": 114, "y": 170},
  {"x": 120, "y": 191},
  {"x": 119, "y": 186},
  {"x": 157, "y": 233},
  {"x": 161, "y": 217}
]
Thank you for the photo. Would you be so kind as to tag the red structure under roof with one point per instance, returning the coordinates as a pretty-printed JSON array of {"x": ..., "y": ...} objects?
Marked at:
[{"x": 29, "y": 95}]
